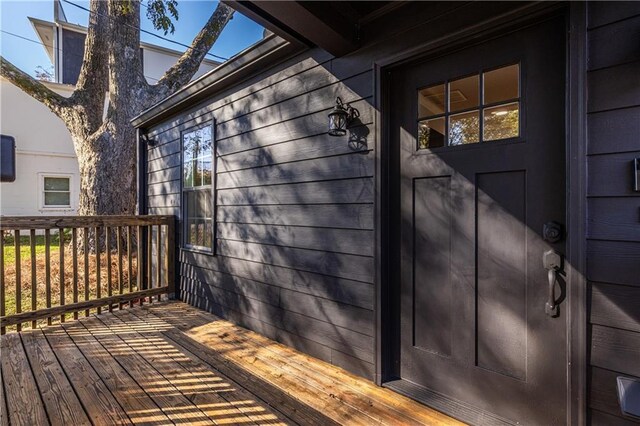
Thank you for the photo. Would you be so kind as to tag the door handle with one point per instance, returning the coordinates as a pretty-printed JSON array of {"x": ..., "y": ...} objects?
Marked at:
[{"x": 552, "y": 262}]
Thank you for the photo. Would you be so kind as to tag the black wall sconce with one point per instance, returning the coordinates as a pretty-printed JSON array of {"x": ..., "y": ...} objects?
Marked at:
[
  {"x": 340, "y": 117},
  {"x": 146, "y": 139}
]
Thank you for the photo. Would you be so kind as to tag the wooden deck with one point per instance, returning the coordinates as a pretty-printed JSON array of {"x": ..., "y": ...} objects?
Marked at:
[{"x": 169, "y": 363}]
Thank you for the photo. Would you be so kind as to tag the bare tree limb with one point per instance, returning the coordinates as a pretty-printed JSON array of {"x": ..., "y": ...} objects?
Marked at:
[
  {"x": 32, "y": 87},
  {"x": 180, "y": 74}
]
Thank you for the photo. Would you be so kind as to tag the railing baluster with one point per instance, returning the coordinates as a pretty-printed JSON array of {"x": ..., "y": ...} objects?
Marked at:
[
  {"x": 159, "y": 258},
  {"x": 2, "y": 296},
  {"x": 98, "y": 290},
  {"x": 149, "y": 259},
  {"x": 149, "y": 286},
  {"x": 34, "y": 282},
  {"x": 107, "y": 245},
  {"x": 171, "y": 258},
  {"x": 129, "y": 258},
  {"x": 120, "y": 276},
  {"x": 61, "y": 270},
  {"x": 74, "y": 254},
  {"x": 47, "y": 269},
  {"x": 18, "y": 276},
  {"x": 139, "y": 264},
  {"x": 86, "y": 268}
]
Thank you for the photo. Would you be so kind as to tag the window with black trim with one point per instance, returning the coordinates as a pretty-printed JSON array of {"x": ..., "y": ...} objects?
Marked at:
[
  {"x": 197, "y": 188},
  {"x": 472, "y": 109}
]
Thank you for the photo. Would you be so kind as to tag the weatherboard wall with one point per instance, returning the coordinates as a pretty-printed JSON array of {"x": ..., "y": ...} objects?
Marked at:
[
  {"x": 294, "y": 217},
  {"x": 613, "y": 240}
]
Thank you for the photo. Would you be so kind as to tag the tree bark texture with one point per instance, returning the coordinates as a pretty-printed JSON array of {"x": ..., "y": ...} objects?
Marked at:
[{"x": 111, "y": 75}]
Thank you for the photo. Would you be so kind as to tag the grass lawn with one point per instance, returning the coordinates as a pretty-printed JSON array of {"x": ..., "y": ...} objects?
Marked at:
[
  {"x": 25, "y": 247},
  {"x": 36, "y": 286}
]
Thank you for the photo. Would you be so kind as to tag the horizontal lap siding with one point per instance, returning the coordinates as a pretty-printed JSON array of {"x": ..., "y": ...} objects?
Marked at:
[
  {"x": 613, "y": 240},
  {"x": 294, "y": 217}
]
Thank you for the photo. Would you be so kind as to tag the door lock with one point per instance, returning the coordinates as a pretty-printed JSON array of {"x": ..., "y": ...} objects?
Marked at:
[{"x": 552, "y": 262}]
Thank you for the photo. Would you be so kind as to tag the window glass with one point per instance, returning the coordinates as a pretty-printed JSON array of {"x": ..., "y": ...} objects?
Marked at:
[
  {"x": 501, "y": 84},
  {"x": 454, "y": 118},
  {"x": 501, "y": 122},
  {"x": 198, "y": 218},
  {"x": 464, "y": 128},
  {"x": 431, "y": 133},
  {"x": 57, "y": 192},
  {"x": 197, "y": 175},
  {"x": 56, "y": 184},
  {"x": 431, "y": 101},
  {"x": 464, "y": 93}
]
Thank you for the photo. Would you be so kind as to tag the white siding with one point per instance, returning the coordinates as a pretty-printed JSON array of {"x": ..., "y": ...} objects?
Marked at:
[{"x": 43, "y": 146}]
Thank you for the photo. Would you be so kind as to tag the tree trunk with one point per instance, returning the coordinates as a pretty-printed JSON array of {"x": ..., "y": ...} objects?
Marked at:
[
  {"x": 107, "y": 164},
  {"x": 105, "y": 143}
]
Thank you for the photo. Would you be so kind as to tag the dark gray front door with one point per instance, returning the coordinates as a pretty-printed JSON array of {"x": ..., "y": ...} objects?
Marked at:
[{"x": 482, "y": 156}]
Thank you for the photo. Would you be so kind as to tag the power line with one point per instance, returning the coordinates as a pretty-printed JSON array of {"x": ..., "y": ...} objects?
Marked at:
[
  {"x": 145, "y": 31},
  {"x": 56, "y": 48}
]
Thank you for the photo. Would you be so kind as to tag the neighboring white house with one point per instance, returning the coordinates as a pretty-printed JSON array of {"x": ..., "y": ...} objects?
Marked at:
[{"x": 47, "y": 175}]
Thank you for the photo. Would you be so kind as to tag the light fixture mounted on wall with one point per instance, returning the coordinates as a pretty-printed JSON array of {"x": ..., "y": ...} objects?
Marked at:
[
  {"x": 340, "y": 118},
  {"x": 149, "y": 141}
]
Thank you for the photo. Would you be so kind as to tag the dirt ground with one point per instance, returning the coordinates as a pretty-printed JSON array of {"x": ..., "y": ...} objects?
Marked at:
[{"x": 90, "y": 282}]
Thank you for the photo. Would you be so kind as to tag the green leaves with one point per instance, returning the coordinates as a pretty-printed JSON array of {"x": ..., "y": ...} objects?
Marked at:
[{"x": 161, "y": 13}]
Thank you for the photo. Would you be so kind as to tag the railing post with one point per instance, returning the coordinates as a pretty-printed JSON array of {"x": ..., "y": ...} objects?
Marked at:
[
  {"x": 150, "y": 283},
  {"x": 171, "y": 257}
]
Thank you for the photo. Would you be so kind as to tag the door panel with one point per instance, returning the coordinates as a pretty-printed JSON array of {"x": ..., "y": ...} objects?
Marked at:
[{"x": 473, "y": 287}]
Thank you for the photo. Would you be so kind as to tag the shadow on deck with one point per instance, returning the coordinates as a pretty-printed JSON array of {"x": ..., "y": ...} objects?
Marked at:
[{"x": 169, "y": 363}]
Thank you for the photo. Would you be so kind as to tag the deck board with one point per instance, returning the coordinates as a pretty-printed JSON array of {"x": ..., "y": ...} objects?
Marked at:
[
  {"x": 140, "y": 408},
  {"x": 169, "y": 363},
  {"x": 59, "y": 398},
  {"x": 23, "y": 399},
  {"x": 99, "y": 403},
  {"x": 136, "y": 362}
]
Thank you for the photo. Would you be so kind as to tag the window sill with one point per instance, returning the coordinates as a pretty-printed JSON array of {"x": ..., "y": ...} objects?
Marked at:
[
  {"x": 198, "y": 250},
  {"x": 56, "y": 209}
]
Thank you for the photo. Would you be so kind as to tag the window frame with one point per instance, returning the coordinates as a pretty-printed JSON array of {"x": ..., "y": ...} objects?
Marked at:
[
  {"x": 212, "y": 188},
  {"x": 41, "y": 191},
  {"x": 481, "y": 107}
]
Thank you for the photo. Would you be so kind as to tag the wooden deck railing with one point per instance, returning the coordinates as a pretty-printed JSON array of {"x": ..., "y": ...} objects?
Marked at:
[{"x": 137, "y": 265}]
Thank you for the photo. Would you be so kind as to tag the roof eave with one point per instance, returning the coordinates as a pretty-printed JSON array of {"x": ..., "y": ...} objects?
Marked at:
[{"x": 264, "y": 53}]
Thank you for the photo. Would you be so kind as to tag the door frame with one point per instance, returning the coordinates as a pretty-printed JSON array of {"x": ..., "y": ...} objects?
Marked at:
[{"x": 386, "y": 314}]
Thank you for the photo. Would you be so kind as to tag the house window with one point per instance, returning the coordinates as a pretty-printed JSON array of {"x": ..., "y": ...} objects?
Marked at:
[
  {"x": 478, "y": 108},
  {"x": 56, "y": 191},
  {"x": 197, "y": 183}
]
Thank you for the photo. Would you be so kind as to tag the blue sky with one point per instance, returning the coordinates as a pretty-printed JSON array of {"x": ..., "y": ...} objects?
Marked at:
[{"x": 240, "y": 33}]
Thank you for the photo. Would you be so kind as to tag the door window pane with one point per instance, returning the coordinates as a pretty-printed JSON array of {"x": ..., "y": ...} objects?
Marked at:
[
  {"x": 464, "y": 93},
  {"x": 501, "y": 84},
  {"x": 431, "y": 101},
  {"x": 453, "y": 118},
  {"x": 431, "y": 133},
  {"x": 464, "y": 128},
  {"x": 501, "y": 122}
]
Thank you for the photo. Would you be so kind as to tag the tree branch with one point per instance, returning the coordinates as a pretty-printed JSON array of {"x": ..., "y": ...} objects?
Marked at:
[
  {"x": 32, "y": 87},
  {"x": 93, "y": 80},
  {"x": 180, "y": 74},
  {"x": 94, "y": 61}
]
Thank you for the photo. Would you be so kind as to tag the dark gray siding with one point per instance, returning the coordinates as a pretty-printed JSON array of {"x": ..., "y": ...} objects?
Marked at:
[
  {"x": 613, "y": 241},
  {"x": 73, "y": 51},
  {"x": 295, "y": 216},
  {"x": 294, "y": 211}
]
